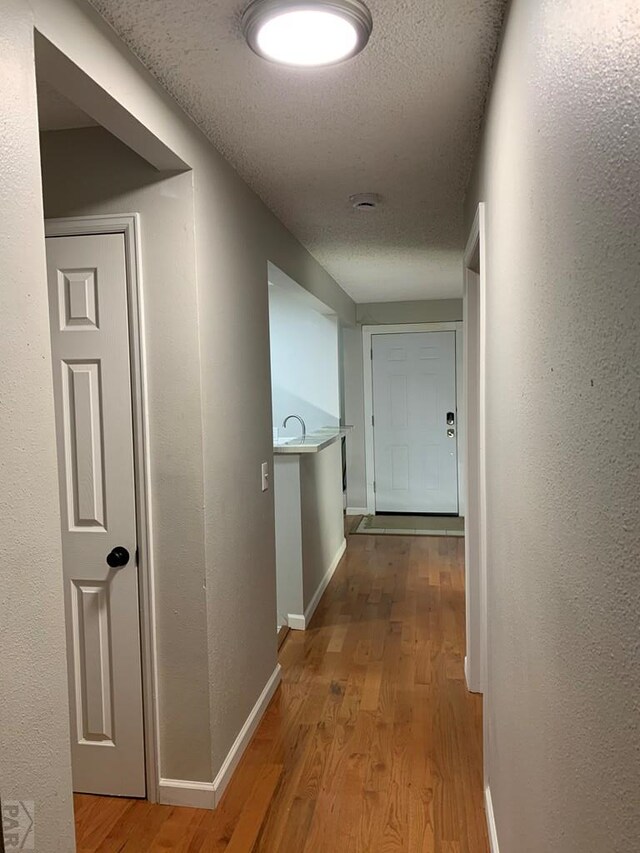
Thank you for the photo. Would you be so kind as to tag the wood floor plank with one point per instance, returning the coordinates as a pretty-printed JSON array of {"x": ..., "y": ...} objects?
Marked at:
[
  {"x": 372, "y": 744},
  {"x": 251, "y": 819},
  {"x": 177, "y": 831},
  {"x": 97, "y": 819},
  {"x": 137, "y": 826}
]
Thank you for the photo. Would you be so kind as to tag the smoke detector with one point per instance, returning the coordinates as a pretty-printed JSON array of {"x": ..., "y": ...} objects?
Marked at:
[{"x": 365, "y": 201}]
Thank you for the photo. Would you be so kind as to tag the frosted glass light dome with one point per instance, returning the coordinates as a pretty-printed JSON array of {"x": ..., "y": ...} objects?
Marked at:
[{"x": 318, "y": 32}]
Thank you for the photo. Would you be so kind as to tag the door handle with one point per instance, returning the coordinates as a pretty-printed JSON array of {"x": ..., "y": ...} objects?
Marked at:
[{"x": 118, "y": 558}]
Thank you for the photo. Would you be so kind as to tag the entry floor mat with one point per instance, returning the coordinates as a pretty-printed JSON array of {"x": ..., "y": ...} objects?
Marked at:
[{"x": 411, "y": 525}]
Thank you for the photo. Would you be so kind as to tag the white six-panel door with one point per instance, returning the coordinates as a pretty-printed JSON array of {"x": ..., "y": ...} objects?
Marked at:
[
  {"x": 92, "y": 389},
  {"x": 415, "y": 422}
]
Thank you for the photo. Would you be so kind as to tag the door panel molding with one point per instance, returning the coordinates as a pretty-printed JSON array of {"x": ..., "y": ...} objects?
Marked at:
[
  {"x": 82, "y": 412},
  {"x": 367, "y": 343},
  {"x": 92, "y": 659},
  {"x": 77, "y": 309}
]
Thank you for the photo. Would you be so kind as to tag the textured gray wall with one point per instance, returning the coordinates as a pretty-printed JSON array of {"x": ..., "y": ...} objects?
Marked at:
[
  {"x": 353, "y": 383},
  {"x": 34, "y": 713},
  {"x": 424, "y": 311},
  {"x": 322, "y": 515},
  {"x": 560, "y": 174}
]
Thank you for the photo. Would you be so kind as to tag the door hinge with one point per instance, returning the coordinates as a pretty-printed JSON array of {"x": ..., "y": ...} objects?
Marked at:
[
  {"x": 374, "y": 487},
  {"x": 137, "y": 556},
  {"x": 371, "y": 353},
  {"x": 373, "y": 420}
]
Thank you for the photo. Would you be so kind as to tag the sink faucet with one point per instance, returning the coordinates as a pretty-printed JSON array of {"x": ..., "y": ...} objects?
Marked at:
[{"x": 302, "y": 423}]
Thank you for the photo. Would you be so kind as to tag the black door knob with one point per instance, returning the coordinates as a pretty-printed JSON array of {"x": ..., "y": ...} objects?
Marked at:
[{"x": 118, "y": 557}]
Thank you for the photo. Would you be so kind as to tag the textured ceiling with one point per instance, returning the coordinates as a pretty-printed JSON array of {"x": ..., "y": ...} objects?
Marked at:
[{"x": 402, "y": 120}]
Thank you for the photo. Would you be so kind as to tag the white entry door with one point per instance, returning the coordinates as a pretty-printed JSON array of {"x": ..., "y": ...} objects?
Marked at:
[
  {"x": 415, "y": 422},
  {"x": 92, "y": 388}
]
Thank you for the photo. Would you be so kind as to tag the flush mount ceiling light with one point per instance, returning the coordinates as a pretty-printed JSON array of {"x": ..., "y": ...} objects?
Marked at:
[{"x": 316, "y": 32}]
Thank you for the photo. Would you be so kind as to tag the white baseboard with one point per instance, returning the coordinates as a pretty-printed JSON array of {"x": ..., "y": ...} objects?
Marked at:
[
  {"x": 300, "y": 623},
  {"x": 246, "y": 733},
  {"x": 207, "y": 795},
  {"x": 472, "y": 686},
  {"x": 357, "y": 510},
  {"x": 296, "y": 621},
  {"x": 324, "y": 583},
  {"x": 179, "y": 792},
  {"x": 491, "y": 821}
]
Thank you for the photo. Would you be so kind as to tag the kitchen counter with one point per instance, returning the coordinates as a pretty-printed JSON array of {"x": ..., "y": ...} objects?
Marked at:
[{"x": 314, "y": 442}]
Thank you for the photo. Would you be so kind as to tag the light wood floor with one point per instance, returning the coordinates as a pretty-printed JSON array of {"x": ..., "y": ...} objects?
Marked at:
[{"x": 372, "y": 743}]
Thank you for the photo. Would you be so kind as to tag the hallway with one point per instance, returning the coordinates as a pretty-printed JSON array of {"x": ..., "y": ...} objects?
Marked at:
[{"x": 371, "y": 744}]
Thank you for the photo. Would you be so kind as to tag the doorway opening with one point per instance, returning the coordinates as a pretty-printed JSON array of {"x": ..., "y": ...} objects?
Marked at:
[
  {"x": 91, "y": 179},
  {"x": 96, "y": 357},
  {"x": 307, "y": 447}
]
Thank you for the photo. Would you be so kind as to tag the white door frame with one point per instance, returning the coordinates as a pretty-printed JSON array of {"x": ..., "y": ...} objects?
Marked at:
[
  {"x": 475, "y": 664},
  {"x": 129, "y": 226},
  {"x": 367, "y": 357}
]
